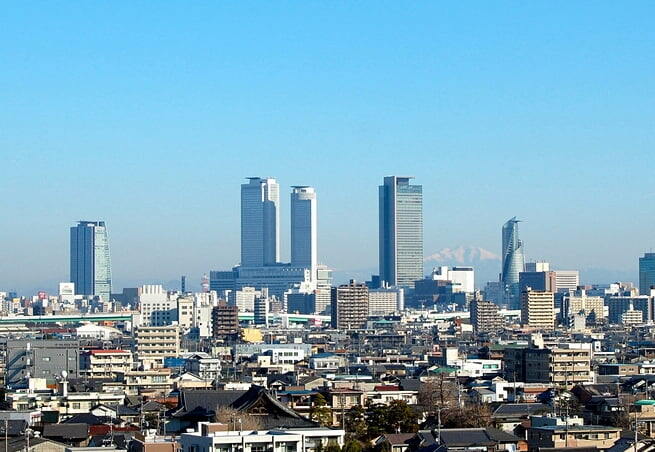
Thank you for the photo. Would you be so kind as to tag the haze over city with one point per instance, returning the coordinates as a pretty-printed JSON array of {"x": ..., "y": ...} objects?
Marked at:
[{"x": 150, "y": 117}]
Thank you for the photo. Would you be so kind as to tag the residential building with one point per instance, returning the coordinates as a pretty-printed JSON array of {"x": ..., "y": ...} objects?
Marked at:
[
  {"x": 646, "y": 273},
  {"x": 632, "y": 317},
  {"x": 90, "y": 261},
  {"x": 386, "y": 300},
  {"x": 537, "y": 309},
  {"x": 485, "y": 317},
  {"x": 512, "y": 261},
  {"x": 106, "y": 363},
  {"x": 401, "y": 231},
  {"x": 596, "y": 437},
  {"x": 219, "y": 437},
  {"x": 225, "y": 320},
  {"x": 304, "y": 239},
  {"x": 350, "y": 306},
  {"x": 619, "y": 304},
  {"x": 156, "y": 343},
  {"x": 564, "y": 364},
  {"x": 260, "y": 222},
  {"x": 593, "y": 307}
]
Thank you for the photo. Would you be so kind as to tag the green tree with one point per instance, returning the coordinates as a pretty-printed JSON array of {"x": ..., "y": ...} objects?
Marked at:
[
  {"x": 332, "y": 447},
  {"x": 320, "y": 412},
  {"x": 352, "y": 446},
  {"x": 355, "y": 423},
  {"x": 401, "y": 418}
]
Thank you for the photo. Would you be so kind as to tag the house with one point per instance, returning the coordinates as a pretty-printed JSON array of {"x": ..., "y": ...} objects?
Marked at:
[
  {"x": 201, "y": 406},
  {"x": 70, "y": 434},
  {"x": 572, "y": 436},
  {"x": 216, "y": 437},
  {"x": 465, "y": 439},
  {"x": 394, "y": 442},
  {"x": 510, "y": 415}
]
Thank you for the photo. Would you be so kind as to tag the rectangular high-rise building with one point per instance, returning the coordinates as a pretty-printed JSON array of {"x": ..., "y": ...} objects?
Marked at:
[
  {"x": 568, "y": 280},
  {"x": 350, "y": 306},
  {"x": 538, "y": 309},
  {"x": 401, "y": 231},
  {"x": 90, "y": 262},
  {"x": 646, "y": 273},
  {"x": 303, "y": 228},
  {"x": 260, "y": 222}
]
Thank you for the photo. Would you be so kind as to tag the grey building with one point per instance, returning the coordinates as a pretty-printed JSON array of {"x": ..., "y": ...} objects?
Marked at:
[
  {"x": 401, "y": 231},
  {"x": 41, "y": 358},
  {"x": 90, "y": 262},
  {"x": 304, "y": 239},
  {"x": 646, "y": 273}
]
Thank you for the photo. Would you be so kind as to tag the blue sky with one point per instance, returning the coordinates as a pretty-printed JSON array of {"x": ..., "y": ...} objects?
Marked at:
[{"x": 149, "y": 115}]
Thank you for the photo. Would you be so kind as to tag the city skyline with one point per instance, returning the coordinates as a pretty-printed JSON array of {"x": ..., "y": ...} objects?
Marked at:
[{"x": 533, "y": 111}]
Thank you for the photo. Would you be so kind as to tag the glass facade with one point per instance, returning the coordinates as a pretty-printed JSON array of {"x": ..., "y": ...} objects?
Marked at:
[
  {"x": 303, "y": 228},
  {"x": 90, "y": 261},
  {"x": 260, "y": 224},
  {"x": 401, "y": 231},
  {"x": 646, "y": 273},
  {"x": 513, "y": 260}
]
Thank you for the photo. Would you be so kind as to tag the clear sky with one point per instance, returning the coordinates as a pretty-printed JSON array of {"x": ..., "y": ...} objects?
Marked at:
[{"x": 148, "y": 115}]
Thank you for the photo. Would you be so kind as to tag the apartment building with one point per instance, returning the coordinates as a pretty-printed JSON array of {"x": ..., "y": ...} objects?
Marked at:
[{"x": 155, "y": 343}]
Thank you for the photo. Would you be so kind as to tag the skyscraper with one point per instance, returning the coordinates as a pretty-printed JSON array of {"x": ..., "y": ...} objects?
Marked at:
[
  {"x": 90, "y": 262},
  {"x": 401, "y": 231},
  {"x": 260, "y": 222},
  {"x": 646, "y": 273},
  {"x": 513, "y": 261},
  {"x": 303, "y": 228}
]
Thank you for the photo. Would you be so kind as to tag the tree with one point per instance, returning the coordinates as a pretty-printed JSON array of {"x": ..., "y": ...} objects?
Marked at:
[
  {"x": 355, "y": 423},
  {"x": 237, "y": 419},
  {"x": 320, "y": 412},
  {"x": 471, "y": 416},
  {"x": 332, "y": 447},
  {"x": 437, "y": 393},
  {"x": 401, "y": 418},
  {"x": 352, "y": 446}
]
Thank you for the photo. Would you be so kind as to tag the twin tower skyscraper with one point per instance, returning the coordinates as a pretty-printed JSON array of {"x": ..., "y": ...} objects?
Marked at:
[{"x": 260, "y": 225}]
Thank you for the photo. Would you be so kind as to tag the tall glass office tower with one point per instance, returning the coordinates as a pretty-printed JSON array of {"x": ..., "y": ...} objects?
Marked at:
[
  {"x": 260, "y": 222},
  {"x": 646, "y": 273},
  {"x": 401, "y": 231},
  {"x": 513, "y": 260},
  {"x": 90, "y": 262},
  {"x": 303, "y": 228}
]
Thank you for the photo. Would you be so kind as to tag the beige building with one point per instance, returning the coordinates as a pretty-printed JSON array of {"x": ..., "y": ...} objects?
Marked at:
[
  {"x": 566, "y": 365},
  {"x": 537, "y": 309},
  {"x": 485, "y": 317},
  {"x": 106, "y": 363},
  {"x": 572, "y": 436},
  {"x": 155, "y": 343},
  {"x": 153, "y": 382},
  {"x": 593, "y": 307}
]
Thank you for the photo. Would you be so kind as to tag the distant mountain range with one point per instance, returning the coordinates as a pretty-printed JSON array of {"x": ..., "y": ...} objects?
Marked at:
[
  {"x": 462, "y": 255},
  {"x": 485, "y": 262}
]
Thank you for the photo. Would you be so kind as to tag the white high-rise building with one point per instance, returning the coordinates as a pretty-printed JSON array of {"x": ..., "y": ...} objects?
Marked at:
[
  {"x": 260, "y": 222},
  {"x": 303, "y": 228},
  {"x": 463, "y": 278},
  {"x": 537, "y": 266},
  {"x": 567, "y": 280}
]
